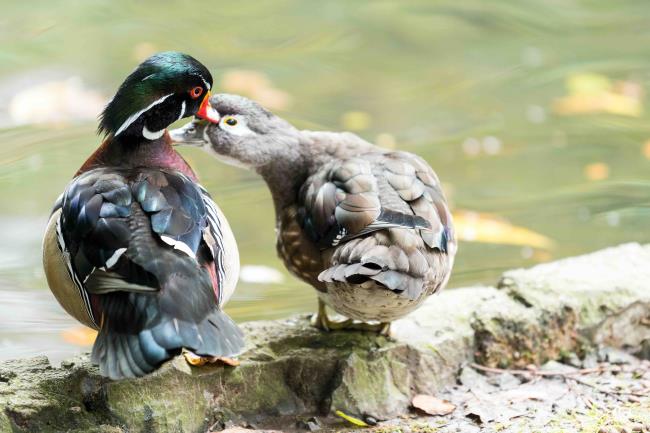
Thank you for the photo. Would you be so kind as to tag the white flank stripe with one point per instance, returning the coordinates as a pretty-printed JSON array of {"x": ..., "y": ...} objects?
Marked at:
[
  {"x": 215, "y": 228},
  {"x": 178, "y": 245},
  {"x": 135, "y": 116},
  {"x": 73, "y": 275},
  {"x": 115, "y": 257}
]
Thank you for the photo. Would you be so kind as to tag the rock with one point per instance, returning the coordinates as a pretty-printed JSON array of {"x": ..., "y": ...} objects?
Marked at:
[{"x": 290, "y": 369}]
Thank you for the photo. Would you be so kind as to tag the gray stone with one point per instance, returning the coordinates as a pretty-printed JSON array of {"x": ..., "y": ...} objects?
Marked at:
[{"x": 291, "y": 369}]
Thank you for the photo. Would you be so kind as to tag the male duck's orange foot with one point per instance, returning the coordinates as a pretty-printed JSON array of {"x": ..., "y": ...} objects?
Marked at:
[{"x": 198, "y": 361}]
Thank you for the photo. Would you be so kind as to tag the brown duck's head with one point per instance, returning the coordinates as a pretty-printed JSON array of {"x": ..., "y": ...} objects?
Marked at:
[{"x": 246, "y": 134}]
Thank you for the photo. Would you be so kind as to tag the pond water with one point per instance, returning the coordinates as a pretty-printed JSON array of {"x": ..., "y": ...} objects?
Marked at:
[{"x": 532, "y": 113}]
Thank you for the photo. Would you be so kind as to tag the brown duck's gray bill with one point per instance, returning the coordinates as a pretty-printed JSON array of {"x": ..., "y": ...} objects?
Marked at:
[{"x": 191, "y": 134}]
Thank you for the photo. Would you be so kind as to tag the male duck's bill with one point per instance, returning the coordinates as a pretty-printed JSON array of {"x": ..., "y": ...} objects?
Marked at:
[{"x": 206, "y": 111}]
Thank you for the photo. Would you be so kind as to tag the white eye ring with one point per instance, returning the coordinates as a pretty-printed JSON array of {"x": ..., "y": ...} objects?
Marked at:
[{"x": 240, "y": 128}]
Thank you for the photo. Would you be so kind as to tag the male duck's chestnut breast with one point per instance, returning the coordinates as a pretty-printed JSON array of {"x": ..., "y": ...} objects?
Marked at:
[{"x": 58, "y": 277}]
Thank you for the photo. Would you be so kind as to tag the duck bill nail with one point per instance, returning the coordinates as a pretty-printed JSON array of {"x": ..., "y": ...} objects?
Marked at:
[{"x": 206, "y": 111}]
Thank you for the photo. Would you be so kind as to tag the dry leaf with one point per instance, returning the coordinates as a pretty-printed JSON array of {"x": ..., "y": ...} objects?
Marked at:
[
  {"x": 595, "y": 93},
  {"x": 199, "y": 361},
  {"x": 596, "y": 171},
  {"x": 432, "y": 405},
  {"x": 80, "y": 335},
  {"x": 257, "y": 86},
  {"x": 646, "y": 149},
  {"x": 356, "y": 120},
  {"x": 482, "y": 227}
]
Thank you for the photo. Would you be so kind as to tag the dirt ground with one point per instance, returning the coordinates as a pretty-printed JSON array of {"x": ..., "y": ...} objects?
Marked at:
[{"x": 606, "y": 392}]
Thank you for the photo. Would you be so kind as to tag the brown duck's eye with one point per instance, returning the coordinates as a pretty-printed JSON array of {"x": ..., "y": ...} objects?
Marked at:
[
  {"x": 230, "y": 121},
  {"x": 196, "y": 92}
]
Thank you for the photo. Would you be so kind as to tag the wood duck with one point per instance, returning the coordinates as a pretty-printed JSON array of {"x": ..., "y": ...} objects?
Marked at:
[
  {"x": 135, "y": 247},
  {"x": 368, "y": 228}
]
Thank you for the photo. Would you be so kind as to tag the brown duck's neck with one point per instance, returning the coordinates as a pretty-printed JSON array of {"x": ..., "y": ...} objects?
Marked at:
[
  {"x": 284, "y": 179},
  {"x": 133, "y": 154}
]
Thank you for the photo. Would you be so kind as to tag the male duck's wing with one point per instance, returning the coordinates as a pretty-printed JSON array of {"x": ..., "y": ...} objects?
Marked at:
[
  {"x": 126, "y": 235},
  {"x": 112, "y": 227}
]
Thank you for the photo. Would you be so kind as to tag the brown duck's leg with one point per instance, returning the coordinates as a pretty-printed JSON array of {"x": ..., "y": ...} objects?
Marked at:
[
  {"x": 198, "y": 361},
  {"x": 320, "y": 320},
  {"x": 381, "y": 328}
]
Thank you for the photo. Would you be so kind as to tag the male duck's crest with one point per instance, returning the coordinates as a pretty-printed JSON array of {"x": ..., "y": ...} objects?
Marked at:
[{"x": 164, "y": 88}]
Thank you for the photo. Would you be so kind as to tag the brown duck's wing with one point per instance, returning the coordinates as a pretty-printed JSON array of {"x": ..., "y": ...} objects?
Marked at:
[
  {"x": 348, "y": 198},
  {"x": 417, "y": 185}
]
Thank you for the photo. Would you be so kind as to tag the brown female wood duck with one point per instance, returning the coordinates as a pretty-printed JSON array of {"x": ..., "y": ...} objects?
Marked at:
[
  {"x": 135, "y": 247},
  {"x": 368, "y": 228}
]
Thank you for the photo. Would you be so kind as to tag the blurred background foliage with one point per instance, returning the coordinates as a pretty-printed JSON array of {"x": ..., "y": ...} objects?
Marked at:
[{"x": 533, "y": 113}]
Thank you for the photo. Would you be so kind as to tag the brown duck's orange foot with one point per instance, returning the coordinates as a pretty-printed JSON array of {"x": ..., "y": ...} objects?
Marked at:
[
  {"x": 198, "y": 361},
  {"x": 321, "y": 320}
]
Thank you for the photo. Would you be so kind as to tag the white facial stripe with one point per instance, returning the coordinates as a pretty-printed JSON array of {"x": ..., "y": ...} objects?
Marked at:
[
  {"x": 135, "y": 116},
  {"x": 205, "y": 82},
  {"x": 148, "y": 76},
  {"x": 182, "y": 111},
  {"x": 152, "y": 135}
]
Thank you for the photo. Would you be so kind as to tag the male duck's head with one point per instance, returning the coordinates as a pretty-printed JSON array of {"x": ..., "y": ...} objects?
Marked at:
[{"x": 164, "y": 88}]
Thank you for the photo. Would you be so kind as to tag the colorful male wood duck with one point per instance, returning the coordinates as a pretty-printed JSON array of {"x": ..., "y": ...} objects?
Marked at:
[
  {"x": 368, "y": 228},
  {"x": 135, "y": 247}
]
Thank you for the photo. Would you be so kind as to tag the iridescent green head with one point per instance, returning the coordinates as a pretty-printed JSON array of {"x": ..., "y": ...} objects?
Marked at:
[{"x": 164, "y": 88}]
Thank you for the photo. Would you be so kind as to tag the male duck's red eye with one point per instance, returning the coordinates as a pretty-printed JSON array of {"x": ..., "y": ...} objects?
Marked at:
[{"x": 196, "y": 92}]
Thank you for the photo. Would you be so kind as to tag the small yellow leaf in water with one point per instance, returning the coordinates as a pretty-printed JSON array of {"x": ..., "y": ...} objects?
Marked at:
[
  {"x": 79, "y": 335},
  {"x": 356, "y": 120},
  {"x": 588, "y": 84},
  {"x": 257, "y": 86},
  {"x": 432, "y": 405},
  {"x": 596, "y": 171},
  {"x": 646, "y": 149},
  {"x": 595, "y": 93},
  {"x": 482, "y": 227},
  {"x": 352, "y": 420}
]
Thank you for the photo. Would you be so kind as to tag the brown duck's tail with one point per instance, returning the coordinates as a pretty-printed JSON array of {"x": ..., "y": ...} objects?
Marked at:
[{"x": 370, "y": 259}]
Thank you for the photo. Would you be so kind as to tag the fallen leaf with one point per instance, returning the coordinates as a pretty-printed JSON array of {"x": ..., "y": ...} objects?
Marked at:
[
  {"x": 596, "y": 171},
  {"x": 80, "y": 335},
  {"x": 257, "y": 86},
  {"x": 595, "y": 93},
  {"x": 199, "y": 361},
  {"x": 356, "y": 120},
  {"x": 432, "y": 405},
  {"x": 352, "y": 420},
  {"x": 646, "y": 149},
  {"x": 482, "y": 227}
]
